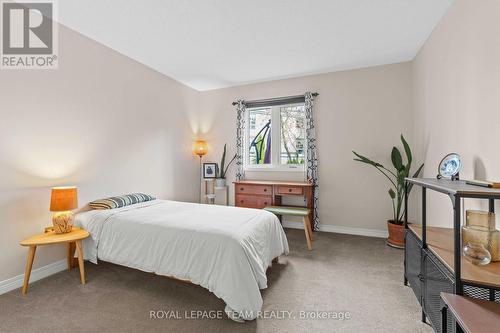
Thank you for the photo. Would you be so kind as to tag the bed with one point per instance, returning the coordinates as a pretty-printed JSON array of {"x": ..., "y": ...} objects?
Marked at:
[{"x": 226, "y": 250}]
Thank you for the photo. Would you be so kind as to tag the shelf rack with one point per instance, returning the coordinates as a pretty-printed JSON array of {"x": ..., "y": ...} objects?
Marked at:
[
  {"x": 445, "y": 243},
  {"x": 440, "y": 243},
  {"x": 456, "y": 190}
]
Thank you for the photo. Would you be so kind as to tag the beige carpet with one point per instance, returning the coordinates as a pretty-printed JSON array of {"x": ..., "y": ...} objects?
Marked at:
[{"x": 358, "y": 275}]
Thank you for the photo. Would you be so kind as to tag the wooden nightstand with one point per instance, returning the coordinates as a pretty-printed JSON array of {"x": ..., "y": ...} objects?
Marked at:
[{"x": 72, "y": 239}]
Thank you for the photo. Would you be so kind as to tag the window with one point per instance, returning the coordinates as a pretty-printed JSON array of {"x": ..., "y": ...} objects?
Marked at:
[
  {"x": 275, "y": 138},
  {"x": 259, "y": 136}
]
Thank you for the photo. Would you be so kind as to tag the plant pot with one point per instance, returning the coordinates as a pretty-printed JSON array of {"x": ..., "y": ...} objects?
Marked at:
[
  {"x": 220, "y": 182},
  {"x": 396, "y": 235}
]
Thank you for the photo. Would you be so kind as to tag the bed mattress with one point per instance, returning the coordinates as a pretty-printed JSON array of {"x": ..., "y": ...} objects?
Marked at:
[{"x": 224, "y": 249}]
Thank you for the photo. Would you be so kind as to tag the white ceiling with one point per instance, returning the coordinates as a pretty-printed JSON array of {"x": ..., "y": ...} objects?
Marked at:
[{"x": 208, "y": 44}]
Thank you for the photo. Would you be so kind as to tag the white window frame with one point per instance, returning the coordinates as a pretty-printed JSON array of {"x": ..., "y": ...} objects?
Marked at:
[{"x": 275, "y": 143}]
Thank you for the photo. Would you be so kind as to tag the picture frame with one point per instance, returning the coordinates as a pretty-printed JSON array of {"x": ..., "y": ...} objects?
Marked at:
[{"x": 209, "y": 170}]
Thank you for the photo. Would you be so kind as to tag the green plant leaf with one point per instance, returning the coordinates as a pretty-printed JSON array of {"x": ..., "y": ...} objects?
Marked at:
[
  {"x": 392, "y": 194},
  {"x": 415, "y": 175},
  {"x": 401, "y": 179},
  {"x": 222, "y": 161},
  {"x": 397, "y": 160},
  {"x": 377, "y": 166},
  {"x": 366, "y": 160},
  {"x": 229, "y": 164},
  {"x": 409, "y": 156}
]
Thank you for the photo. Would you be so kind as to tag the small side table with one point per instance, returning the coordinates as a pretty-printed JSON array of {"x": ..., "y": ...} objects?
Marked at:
[
  {"x": 215, "y": 195},
  {"x": 73, "y": 238},
  {"x": 221, "y": 196}
]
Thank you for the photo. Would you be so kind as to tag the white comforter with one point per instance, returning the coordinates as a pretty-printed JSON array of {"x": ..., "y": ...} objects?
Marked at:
[{"x": 224, "y": 249}]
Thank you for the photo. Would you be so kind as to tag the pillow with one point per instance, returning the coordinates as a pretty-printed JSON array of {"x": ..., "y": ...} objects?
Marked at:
[{"x": 121, "y": 201}]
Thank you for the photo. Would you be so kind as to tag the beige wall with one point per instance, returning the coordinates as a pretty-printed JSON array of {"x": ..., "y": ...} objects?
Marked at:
[
  {"x": 456, "y": 80},
  {"x": 102, "y": 122},
  {"x": 110, "y": 125},
  {"x": 364, "y": 110}
]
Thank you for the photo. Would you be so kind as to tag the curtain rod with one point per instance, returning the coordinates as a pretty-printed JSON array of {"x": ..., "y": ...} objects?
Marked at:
[{"x": 275, "y": 99}]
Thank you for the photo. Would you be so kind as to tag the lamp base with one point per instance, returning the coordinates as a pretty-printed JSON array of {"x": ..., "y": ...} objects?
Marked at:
[{"x": 63, "y": 222}]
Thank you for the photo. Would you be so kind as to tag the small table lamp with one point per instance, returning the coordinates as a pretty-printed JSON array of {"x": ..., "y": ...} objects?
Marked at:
[{"x": 63, "y": 200}]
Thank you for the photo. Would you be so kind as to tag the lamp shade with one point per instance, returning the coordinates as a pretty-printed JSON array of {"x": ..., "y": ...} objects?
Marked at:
[
  {"x": 63, "y": 199},
  {"x": 200, "y": 147}
]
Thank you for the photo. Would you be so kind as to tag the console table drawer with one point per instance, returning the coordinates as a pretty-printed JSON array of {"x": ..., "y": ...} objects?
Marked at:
[
  {"x": 254, "y": 189},
  {"x": 253, "y": 201},
  {"x": 297, "y": 190}
]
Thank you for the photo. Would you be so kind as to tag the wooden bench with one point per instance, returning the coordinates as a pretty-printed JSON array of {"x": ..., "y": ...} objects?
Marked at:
[
  {"x": 472, "y": 315},
  {"x": 295, "y": 211}
]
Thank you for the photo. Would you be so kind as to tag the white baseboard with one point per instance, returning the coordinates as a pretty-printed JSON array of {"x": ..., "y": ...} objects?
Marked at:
[
  {"x": 36, "y": 274},
  {"x": 340, "y": 229}
]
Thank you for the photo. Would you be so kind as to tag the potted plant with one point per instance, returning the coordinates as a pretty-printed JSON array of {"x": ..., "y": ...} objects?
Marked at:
[
  {"x": 397, "y": 189},
  {"x": 220, "y": 180}
]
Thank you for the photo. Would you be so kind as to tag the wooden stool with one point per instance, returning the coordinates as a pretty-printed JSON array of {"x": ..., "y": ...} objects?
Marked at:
[{"x": 295, "y": 211}]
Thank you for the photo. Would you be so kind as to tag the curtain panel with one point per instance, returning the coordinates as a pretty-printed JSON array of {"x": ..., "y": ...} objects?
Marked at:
[
  {"x": 240, "y": 135},
  {"x": 312, "y": 155}
]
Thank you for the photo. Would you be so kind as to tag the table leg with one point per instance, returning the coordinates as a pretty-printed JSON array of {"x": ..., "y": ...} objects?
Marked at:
[
  {"x": 310, "y": 203},
  {"x": 307, "y": 232},
  {"x": 276, "y": 201},
  {"x": 79, "y": 250},
  {"x": 309, "y": 226},
  {"x": 29, "y": 265},
  {"x": 70, "y": 254}
]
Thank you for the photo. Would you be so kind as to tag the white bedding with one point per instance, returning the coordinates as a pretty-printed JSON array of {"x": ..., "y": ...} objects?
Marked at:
[{"x": 224, "y": 249}]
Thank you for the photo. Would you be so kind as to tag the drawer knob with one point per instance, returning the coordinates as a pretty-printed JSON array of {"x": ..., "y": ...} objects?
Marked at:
[
  {"x": 289, "y": 190},
  {"x": 265, "y": 190},
  {"x": 241, "y": 188},
  {"x": 241, "y": 201},
  {"x": 265, "y": 203}
]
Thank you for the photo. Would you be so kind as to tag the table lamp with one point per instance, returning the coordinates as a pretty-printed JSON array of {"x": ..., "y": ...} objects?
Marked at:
[
  {"x": 200, "y": 148},
  {"x": 62, "y": 201}
]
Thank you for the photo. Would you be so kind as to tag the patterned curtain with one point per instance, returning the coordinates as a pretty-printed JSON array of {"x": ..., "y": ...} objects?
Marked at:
[
  {"x": 240, "y": 133},
  {"x": 312, "y": 155}
]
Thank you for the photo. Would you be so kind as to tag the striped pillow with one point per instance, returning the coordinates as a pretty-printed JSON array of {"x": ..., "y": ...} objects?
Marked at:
[{"x": 120, "y": 201}]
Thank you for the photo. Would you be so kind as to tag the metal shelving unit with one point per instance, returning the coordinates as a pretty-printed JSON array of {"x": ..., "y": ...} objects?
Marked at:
[{"x": 442, "y": 266}]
